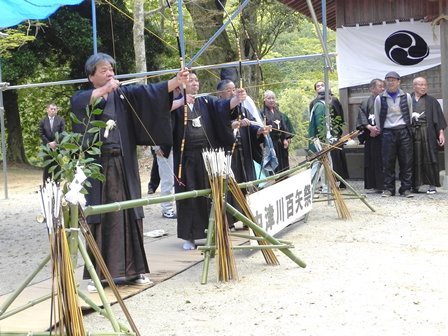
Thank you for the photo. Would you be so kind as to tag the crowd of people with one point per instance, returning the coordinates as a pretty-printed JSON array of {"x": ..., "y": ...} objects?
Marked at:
[
  {"x": 143, "y": 115},
  {"x": 404, "y": 127},
  {"x": 395, "y": 125}
]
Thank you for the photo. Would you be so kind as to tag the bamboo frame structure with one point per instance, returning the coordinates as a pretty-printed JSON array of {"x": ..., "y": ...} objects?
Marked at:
[
  {"x": 208, "y": 249},
  {"x": 318, "y": 159},
  {"x": 74, "y": 244}
]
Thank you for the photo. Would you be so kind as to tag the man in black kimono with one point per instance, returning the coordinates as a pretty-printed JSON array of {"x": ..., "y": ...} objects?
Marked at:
[
  {"x": 247, "y": 144},
  {"x": 428, "y": 124},
  {"x": 371, "y": 138},
  {"x": 136, "y": 114},
  {"x": 248, "y": 137},
  {"x": 48, "y": 127},
  {"x": 208, "y": 126},
  {"x": 281, "y": 134}
]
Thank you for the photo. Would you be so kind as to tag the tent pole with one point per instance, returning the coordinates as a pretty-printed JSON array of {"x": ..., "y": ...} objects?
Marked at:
[
  {"x": 95, "y": 46},
  {"x": 327, "y": 83},
  {"x": 2, "y": 125},
  {"x": 444, "y": 73},
  {"x": 327, "y": 65}
]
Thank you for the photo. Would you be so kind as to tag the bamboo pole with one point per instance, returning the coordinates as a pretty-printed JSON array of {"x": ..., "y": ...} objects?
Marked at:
[
  {"x": 118, "y": 206},
  {"x": 341, "y": 206},
  {"x": 102, "y": 312},
  {"x": 358, "y": 195},
  {"x": 217, "y": 165},
  {"x": 74, "y": 232},
  {"x": 104, "y": 270},
  {"x": 49, "y": 333},
  {"x": 257, "y": 247},
  {"x": 264, "y": 234},
  {"x": 269, "y": 256},
  {"x": 245, "y": 236},
  {"x": 209, "y": 253},
  {"x": 21, "y": 287},
  {"x": 30, "y": 304},
  {"x": 91, "y": 269}
]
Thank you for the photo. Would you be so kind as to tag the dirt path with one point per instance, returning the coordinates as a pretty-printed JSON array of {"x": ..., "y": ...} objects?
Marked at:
[{"x": 381, "y": 273}]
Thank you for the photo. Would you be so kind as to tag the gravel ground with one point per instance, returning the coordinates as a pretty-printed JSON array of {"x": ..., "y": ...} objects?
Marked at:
[{"x": 380, "y": 273}]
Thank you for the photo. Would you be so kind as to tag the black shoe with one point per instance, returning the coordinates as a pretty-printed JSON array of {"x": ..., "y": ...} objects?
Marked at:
[
  {"x": 407, "y": 194},
  {"x": 387, "y": 193}
]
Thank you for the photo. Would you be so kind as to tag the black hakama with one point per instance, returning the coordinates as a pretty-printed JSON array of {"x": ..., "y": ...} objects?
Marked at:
[
  {"x": 214, "y": 131},
  {"x": 137, "y": 111},
  {"x": 425, "y": 133}
]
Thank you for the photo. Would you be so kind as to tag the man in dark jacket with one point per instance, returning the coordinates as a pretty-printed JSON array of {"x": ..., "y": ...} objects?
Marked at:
[
  {"x": 48, "y": 127},
  {"x": 371, "y": 139}
]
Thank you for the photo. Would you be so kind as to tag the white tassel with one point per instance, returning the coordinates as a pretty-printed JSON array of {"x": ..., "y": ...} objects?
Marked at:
[{"x": 110, "y": 124}]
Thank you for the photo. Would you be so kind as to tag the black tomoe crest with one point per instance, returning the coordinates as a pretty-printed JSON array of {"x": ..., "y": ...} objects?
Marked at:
[{"x": 406, "y": 48}]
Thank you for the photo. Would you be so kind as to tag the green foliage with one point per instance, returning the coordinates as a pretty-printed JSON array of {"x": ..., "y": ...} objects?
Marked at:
[
  {"x": 58, "y": 50},
  {"x": 14, "y": 39},
  {"x": 63, "y": 43},
  {"x": 293, "y": 81},
  {"x": 293, "y": 102},
  {"x": 33, "y": 103},
  {"x": 20, "y": 65},
  {"x": 337, "y": 126},
  {"x": 76, "y": 150}
]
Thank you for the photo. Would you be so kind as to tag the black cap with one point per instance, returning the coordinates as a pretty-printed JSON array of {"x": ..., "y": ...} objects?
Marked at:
[{"x": 392, "y": 74}]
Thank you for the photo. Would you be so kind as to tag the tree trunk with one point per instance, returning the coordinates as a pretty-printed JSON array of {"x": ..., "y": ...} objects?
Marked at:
[
  {"x": 252, "y": 74},
  {"x": 139, "y": 37},
  {"x": 15, "y": 152},
  {"x": 207, "y": 19}
]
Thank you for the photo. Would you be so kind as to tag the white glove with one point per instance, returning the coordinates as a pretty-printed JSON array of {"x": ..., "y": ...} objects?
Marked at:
[{"x": 415, "y": 116}]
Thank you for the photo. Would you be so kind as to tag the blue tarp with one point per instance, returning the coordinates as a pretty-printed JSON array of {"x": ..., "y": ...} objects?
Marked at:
[{"x": 13, "y": 12}]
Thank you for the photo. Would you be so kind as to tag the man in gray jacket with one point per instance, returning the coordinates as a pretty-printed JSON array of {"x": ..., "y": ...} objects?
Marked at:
[{"x": 393, "y": 109}]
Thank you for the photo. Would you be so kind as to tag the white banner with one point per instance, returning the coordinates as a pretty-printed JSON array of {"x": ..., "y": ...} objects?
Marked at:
[
  {"x": 284, "y": 203},
  {"x": 369, "y": 52}
]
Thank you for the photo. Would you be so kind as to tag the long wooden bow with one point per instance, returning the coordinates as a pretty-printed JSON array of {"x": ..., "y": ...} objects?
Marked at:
[{"x": 181, "y": 50}]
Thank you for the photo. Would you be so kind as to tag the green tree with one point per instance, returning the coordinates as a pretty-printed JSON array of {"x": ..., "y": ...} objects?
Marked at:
[
  {"x": 293, "y": 82},
  {"x": 61, "y": 46},
  {"x": 207, "y": 16},
  {"x": 13, "y": 39},
  {"x": 263, "y": 22}
]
